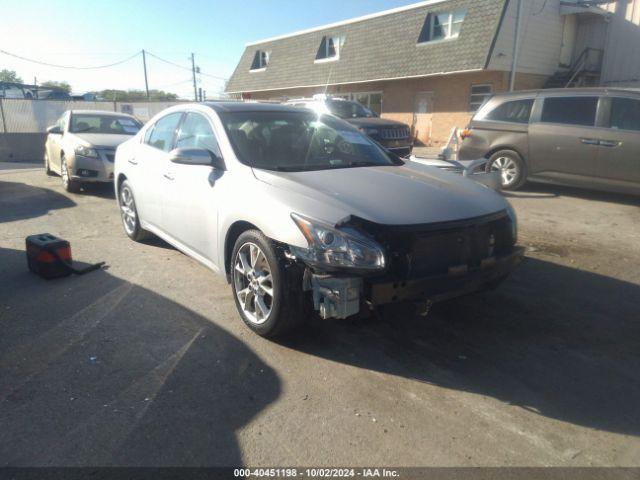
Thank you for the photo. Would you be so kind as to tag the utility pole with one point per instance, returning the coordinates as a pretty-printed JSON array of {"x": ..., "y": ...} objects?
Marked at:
[
  {"x": 516, "y": 47},
  {"x": 193, "y": 71},
  {"x": 144, "y": 64}
]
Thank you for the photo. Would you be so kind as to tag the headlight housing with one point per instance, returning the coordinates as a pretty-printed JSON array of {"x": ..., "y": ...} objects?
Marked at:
[
  {"x": 514, "y": 222},
  {"x": 86, "y": 151},
  {"x": 330, "y": 247},
  {"x": 369, "y": 131}
]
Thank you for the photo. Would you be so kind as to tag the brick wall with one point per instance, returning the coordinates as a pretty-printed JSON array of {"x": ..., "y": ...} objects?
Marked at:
[{"x": 450, "y": 100}]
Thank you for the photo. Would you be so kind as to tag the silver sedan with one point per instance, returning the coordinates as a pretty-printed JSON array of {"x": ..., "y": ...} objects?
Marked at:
[
  {"x": 81, "y": 146},
  {"x": 301, "y": 212}
]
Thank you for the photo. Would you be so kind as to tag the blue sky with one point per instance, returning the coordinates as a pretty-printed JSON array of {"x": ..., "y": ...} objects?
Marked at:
[{"x": 89, "y": 33}]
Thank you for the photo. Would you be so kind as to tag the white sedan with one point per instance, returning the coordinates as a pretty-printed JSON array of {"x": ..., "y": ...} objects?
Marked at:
[{"x": 301, "y": 212}]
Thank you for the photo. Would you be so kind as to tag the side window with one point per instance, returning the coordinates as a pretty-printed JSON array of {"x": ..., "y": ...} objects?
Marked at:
[
  {"x": 62, "y": 122},
  {"x": 163, "y": 132},
  {"x": 147, "y": 134},
  {"x": 517, "y": 111},
  {"x": 625, "y": 114},
  {"x": 196, "y": 132},
  {"x": 570, "y": 110}
]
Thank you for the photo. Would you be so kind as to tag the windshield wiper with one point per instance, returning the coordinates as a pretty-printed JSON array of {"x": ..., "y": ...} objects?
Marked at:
[
  {"x": 363, "y": 164},
  {"x": 84, "y": 130}
]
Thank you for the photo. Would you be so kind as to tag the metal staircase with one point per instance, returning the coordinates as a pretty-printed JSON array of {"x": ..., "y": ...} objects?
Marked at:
[{"x": 585, "y": 71}]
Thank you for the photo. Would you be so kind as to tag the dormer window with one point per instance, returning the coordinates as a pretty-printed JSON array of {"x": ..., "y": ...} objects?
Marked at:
[
  {"x": 442, "y": 26},
  {"x": 329, "y": 49},
  {"x": 260, "y": 61}
]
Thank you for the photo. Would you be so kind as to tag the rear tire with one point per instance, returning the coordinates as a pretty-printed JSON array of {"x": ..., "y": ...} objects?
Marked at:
[
  {"x": 511, "y": 166},
  {"x": 268, "y": 293},
  {"x": 129, "y": 214},
  {"x": 71, "y": 186}
]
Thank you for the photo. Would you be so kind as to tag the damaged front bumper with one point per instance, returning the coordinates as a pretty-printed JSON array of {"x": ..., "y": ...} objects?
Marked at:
[
  {"x": 336, "y": 296},
  {"x": 475, "y": 170}
]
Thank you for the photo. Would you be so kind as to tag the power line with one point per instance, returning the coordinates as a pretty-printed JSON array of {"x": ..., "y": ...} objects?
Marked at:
[
  {"x": 182, "y": 66},
  {"x": 69, "y": 66}
]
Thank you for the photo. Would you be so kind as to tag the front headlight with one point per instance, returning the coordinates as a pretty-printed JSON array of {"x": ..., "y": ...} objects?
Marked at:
[
  {"x": 369, "y": 131},
  {"x": 514, "y": 222},
  {"x": 332, "y": 247},
  {"x": 86, "y": 151}
]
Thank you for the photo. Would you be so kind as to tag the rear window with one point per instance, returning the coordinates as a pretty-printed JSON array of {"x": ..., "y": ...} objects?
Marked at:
[
  {"x": 517, "y": 111},
  {"x": 570, "y": 110},
  {"x": 625, "y": 114}
]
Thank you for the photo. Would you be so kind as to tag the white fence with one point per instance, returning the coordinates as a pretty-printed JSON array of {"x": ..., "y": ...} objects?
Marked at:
[{"x": 34, "y": 116}]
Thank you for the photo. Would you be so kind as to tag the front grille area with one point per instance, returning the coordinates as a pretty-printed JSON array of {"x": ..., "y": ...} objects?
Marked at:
[
  {"x": 107, "y": 154},
  {"x": 415, "y": 252},
  {"x": 395, "y": 133}
]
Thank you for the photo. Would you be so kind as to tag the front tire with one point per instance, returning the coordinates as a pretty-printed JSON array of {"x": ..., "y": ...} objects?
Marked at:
[
  {"x": 129, "y": 214},
  {"x": 511, "y": 167},
  {"x": 47, "y": 167},
  {"x": 71, "y": 186},
  {"x": 268, "y": 296}
]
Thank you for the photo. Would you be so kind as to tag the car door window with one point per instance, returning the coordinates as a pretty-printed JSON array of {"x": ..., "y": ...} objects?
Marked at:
[
  {"x": 517, "y": 111},
  {"x": 62, "y": 122},
  {"x": 163, "y": 132},
  {"x": 570, "y": 110},
  {"x": 196, "y": 132},
  {"x": 625, "y": 114}
]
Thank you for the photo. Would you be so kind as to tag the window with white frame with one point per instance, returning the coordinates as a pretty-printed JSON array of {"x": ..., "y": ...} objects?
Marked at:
[
  {"x": 329, "y": 49},
  {"x": 260, "y": 60},
  {"x": 442, "y": 26},
  {"x": 479, "y": 94}
]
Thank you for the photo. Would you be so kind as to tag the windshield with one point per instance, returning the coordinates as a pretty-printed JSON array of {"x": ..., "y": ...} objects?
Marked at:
[
  {"x": 300, "y": 141},
  {"x": 104, "y": 124},
  {"x": 344, "y": 109}
]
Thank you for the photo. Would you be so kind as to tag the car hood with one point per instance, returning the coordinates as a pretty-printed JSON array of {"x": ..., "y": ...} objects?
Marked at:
[
  {"x": 393, "y": 195},
  {"x": 375, "y": 122},
  {"x": 98, "y": 140}
]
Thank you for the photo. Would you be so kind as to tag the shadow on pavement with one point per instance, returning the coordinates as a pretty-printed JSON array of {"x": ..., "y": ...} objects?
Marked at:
[
  {"x": 102, "y": 190},
  {"x": 19, "y": 201},
  {"x": 557, "y": 341},
  {"x": 541, "y": 190},
  {"x": 98, "y": 371}
]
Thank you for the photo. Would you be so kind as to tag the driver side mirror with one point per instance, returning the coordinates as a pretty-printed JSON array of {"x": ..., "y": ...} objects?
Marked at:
[
  {"x": 196, "y": 156},
  {"x": 54, "y": 129}
]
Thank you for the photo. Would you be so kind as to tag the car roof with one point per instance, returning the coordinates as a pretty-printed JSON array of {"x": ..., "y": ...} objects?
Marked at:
[
  {"x": 101, "y": 112},
  {"x": 222, "y": 107},
  {"x": 568, "y": 92}
]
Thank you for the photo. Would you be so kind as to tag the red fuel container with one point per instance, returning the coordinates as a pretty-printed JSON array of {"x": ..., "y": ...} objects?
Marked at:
[{"x": 48, "y": 256}]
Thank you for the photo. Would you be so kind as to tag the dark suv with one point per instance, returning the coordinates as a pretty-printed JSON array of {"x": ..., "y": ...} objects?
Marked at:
[
  {"x": 392, "y": 135},
  {"x": 584, "y": 137}
]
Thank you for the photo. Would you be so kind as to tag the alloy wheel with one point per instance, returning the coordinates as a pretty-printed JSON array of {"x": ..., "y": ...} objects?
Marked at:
[
  {"x": 253, "y": 283},
  {"x": 65, "y": 174},
  {"x": 508, "y": 169},
  {"x": 128, "y": 210}
]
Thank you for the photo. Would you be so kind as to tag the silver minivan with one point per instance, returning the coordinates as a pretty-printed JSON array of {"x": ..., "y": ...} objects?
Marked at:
[{"x": 583, "y": 137}]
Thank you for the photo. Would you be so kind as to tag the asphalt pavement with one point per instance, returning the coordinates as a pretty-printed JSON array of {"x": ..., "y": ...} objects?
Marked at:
[{"x": 146, "y": 362}]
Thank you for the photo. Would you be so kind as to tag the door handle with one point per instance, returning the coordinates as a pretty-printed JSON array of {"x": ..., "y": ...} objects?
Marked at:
[
  {"x": 590, "y": 141},
  {"x": 609, "y": 143},
  {"x": 132, "y": 161},
  {"x": 168, "y": 176}
]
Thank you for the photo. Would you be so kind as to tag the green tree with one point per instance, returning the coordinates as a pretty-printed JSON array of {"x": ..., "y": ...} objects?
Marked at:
[
  {"x": 55, "y": 84},
  {"x": 10, "y": 76},
  {"x": 137, "y": 95}
]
